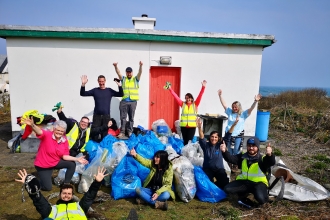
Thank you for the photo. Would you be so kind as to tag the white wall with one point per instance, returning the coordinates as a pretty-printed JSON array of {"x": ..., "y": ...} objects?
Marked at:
[{"x": 46, "y": 71}]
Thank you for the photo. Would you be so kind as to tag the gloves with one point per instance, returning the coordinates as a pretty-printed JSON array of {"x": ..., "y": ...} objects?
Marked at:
[
  {"x": 168, "y": 84},
  {"x": 57, "y": 106}
]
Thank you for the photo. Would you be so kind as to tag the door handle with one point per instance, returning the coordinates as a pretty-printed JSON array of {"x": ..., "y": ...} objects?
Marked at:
[{"x": 152, "y": 103}]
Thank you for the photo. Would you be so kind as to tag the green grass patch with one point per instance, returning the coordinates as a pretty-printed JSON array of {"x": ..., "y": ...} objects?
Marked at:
[
  {"x": 320, "y": 165},
  {"x": 229, "y": 213},
  {"x": 322, "y": 157},
  {"x": 277, "y": 152}
]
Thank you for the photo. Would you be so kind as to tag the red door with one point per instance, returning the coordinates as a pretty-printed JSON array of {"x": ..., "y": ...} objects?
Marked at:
[{"x": 162, "y": 104}]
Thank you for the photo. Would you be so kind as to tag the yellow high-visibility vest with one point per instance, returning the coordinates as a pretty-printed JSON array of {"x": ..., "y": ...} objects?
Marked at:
[
  {"x": 67, "y": 211},
  {"x": 188, "y": 115},
  {"x": 131, "y": 88},
  {"x": 252, "y": 173},
  {"x": 72, "y": 136}
]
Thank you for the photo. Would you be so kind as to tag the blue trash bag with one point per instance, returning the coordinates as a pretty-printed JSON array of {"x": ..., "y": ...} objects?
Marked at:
[
  {"x": 107, "y": 142},
  {"x": 132, "y": 142},
  {"x": 206, "y": 190},
  {"x": 177, "y": 144},
  {"x": 124, "y": 185},
  {"x": 143, "y": 171},
  {"x": 152, "y": 139},
  {"x": 91, "y": 148},
  {"x": 145, "y": 150}
]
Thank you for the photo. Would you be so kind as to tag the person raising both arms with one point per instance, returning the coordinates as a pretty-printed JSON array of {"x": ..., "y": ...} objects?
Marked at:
[
  {"x": 189, "y": 112},
  {"x": 128, "y": 103},
  {"x": 102, "y": 99},
  {"x": 234, "y": 112}
]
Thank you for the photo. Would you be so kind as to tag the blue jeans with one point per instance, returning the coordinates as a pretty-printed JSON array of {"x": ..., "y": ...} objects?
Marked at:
[
  {"x": 145, "y": 194},
  {"x": 236, "y": 146}
]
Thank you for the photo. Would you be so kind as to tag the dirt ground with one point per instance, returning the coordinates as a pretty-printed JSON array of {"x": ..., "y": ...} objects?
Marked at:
[{"x": 297, "y": 153}]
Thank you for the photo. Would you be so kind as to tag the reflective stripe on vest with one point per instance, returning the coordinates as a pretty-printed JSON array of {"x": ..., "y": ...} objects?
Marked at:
[
  {"x": 252, "y": 173},
  {"x": 188, "y": 115},
  {"x": 131, "y": 88},
  {"x": 72, "y": 136},
  {"x": 67, "y": 211}
]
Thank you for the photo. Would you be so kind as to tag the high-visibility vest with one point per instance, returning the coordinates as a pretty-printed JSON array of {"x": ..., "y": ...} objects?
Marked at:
[
  {"x": 188, "y": 115},
  {"x": 131, "y": 88},
  {"x": 72, "y": 136},
  {"x": 252, "y": 173},
  {"x": 67, "y": 211}
]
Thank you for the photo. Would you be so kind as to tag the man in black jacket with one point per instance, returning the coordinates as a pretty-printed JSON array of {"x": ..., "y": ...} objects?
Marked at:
[
  {"x": 254, "y": 168},
  {"x": 79, "y": 133},
  {"x": 65, "y": 207}
]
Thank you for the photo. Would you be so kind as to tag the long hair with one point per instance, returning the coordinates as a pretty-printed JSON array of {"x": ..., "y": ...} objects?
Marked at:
[
  {"x": 212, "y": 133},
  {"x": 190, "y": 96},
  {"x": 239, "y": 106},
  {"x": 163, "y": 162},
  {"x": 114, "y": 124}
]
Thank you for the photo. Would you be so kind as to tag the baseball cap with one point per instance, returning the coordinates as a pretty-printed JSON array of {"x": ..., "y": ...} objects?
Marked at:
[
  {"x": 129, "y": 69},
  {"x": 253, "y": 140}
]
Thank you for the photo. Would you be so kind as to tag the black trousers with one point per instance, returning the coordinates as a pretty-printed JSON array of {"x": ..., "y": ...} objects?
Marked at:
[
  {"x": 98, "y": 121},
  {"x": 219, "y": 174},
  {"x": 243, "y": 187},
  {"x": 187, "y": 134}
]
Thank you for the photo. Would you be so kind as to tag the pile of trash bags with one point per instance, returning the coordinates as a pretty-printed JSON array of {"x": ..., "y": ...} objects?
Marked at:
[{"x": 126, "y": 173}]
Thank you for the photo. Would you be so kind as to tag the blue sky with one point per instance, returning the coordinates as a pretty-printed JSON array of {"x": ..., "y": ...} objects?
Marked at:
[{"x": 300, "y": 57}]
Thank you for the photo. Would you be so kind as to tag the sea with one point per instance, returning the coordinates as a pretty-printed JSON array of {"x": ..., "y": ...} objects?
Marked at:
[{"x": 275, "y": 90}]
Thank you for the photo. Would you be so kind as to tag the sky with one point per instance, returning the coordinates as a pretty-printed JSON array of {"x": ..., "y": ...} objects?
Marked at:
[{"x": 299, "y": 58}]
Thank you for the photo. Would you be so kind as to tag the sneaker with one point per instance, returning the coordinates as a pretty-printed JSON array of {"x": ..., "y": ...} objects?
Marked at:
[{"x": 129, "y": 134}]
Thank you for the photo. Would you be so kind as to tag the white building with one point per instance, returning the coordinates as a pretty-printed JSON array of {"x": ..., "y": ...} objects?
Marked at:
[{"x": 46, "y": 64}]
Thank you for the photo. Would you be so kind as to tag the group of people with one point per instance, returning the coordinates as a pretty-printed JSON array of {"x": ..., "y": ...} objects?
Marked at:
[{"x": 59, "y": 149}]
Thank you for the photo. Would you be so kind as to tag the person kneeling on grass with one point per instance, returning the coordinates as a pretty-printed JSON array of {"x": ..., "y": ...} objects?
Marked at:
[
  {"x": 254, "y": 167},
  {"x": 66, "y": 207},
  {"x": 157, "y": 187}
]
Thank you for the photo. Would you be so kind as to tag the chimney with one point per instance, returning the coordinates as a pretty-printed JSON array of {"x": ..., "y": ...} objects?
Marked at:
[{"x": 144, "y": 22}]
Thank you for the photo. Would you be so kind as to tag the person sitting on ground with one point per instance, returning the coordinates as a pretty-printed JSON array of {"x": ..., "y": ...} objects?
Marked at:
[
  {"x": 66, "y": 207},
  {"x": 253, "y": 178},
  {"x": 189, "y": 112},
  {"x": 213, "y": 160},
  {"x": 53, "y": 153},
  {"x": 78, "y": 134},
  {"x": 157, "y": 187}
]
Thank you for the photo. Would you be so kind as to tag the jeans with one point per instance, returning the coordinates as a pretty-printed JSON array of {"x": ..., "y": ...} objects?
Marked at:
[
  {"x": 236, "y": 146},
  {"x": 145, "y": 194},
  {"x": 243, "y": 187}
]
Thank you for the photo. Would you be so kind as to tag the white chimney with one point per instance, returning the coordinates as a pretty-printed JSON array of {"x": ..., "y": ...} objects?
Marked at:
[{"x": 144, "y": 22}]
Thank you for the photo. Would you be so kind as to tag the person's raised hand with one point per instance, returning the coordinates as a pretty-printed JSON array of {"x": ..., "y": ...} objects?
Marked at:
[
  {"x": 140, "y": 63},
  {"x": 84, "y": 80},
  {"x": 199, "y": 122},
  {"x": 219, "y": 92},
  {"x": 115, "y": 64},
  {"x": 27, "y": 121},
  {"x": 257, "y": 97},
  {"x": 223, "y": 146},
  {"x": 204, "y": 83},
  {"x": 118, "y": 83},
  {"x": 100, "y": 174},
  {"x": 269, "y": 150},
  {"x": 22, "y": 174}
]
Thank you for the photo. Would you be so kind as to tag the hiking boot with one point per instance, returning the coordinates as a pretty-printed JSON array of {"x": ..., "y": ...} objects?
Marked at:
[
  {"x": 121, "y": 135},
  {"x": 161, "y": 205},
  {"x": 140, "y": 201}
]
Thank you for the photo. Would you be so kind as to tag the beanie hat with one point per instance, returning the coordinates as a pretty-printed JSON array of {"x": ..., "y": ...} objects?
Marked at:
[{"x": 254, "y": 141}]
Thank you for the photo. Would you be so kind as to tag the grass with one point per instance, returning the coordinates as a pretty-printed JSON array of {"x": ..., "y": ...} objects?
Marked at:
[
  {"x": 277, "y": 152},
  {"x": 305, "y": 111}
]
